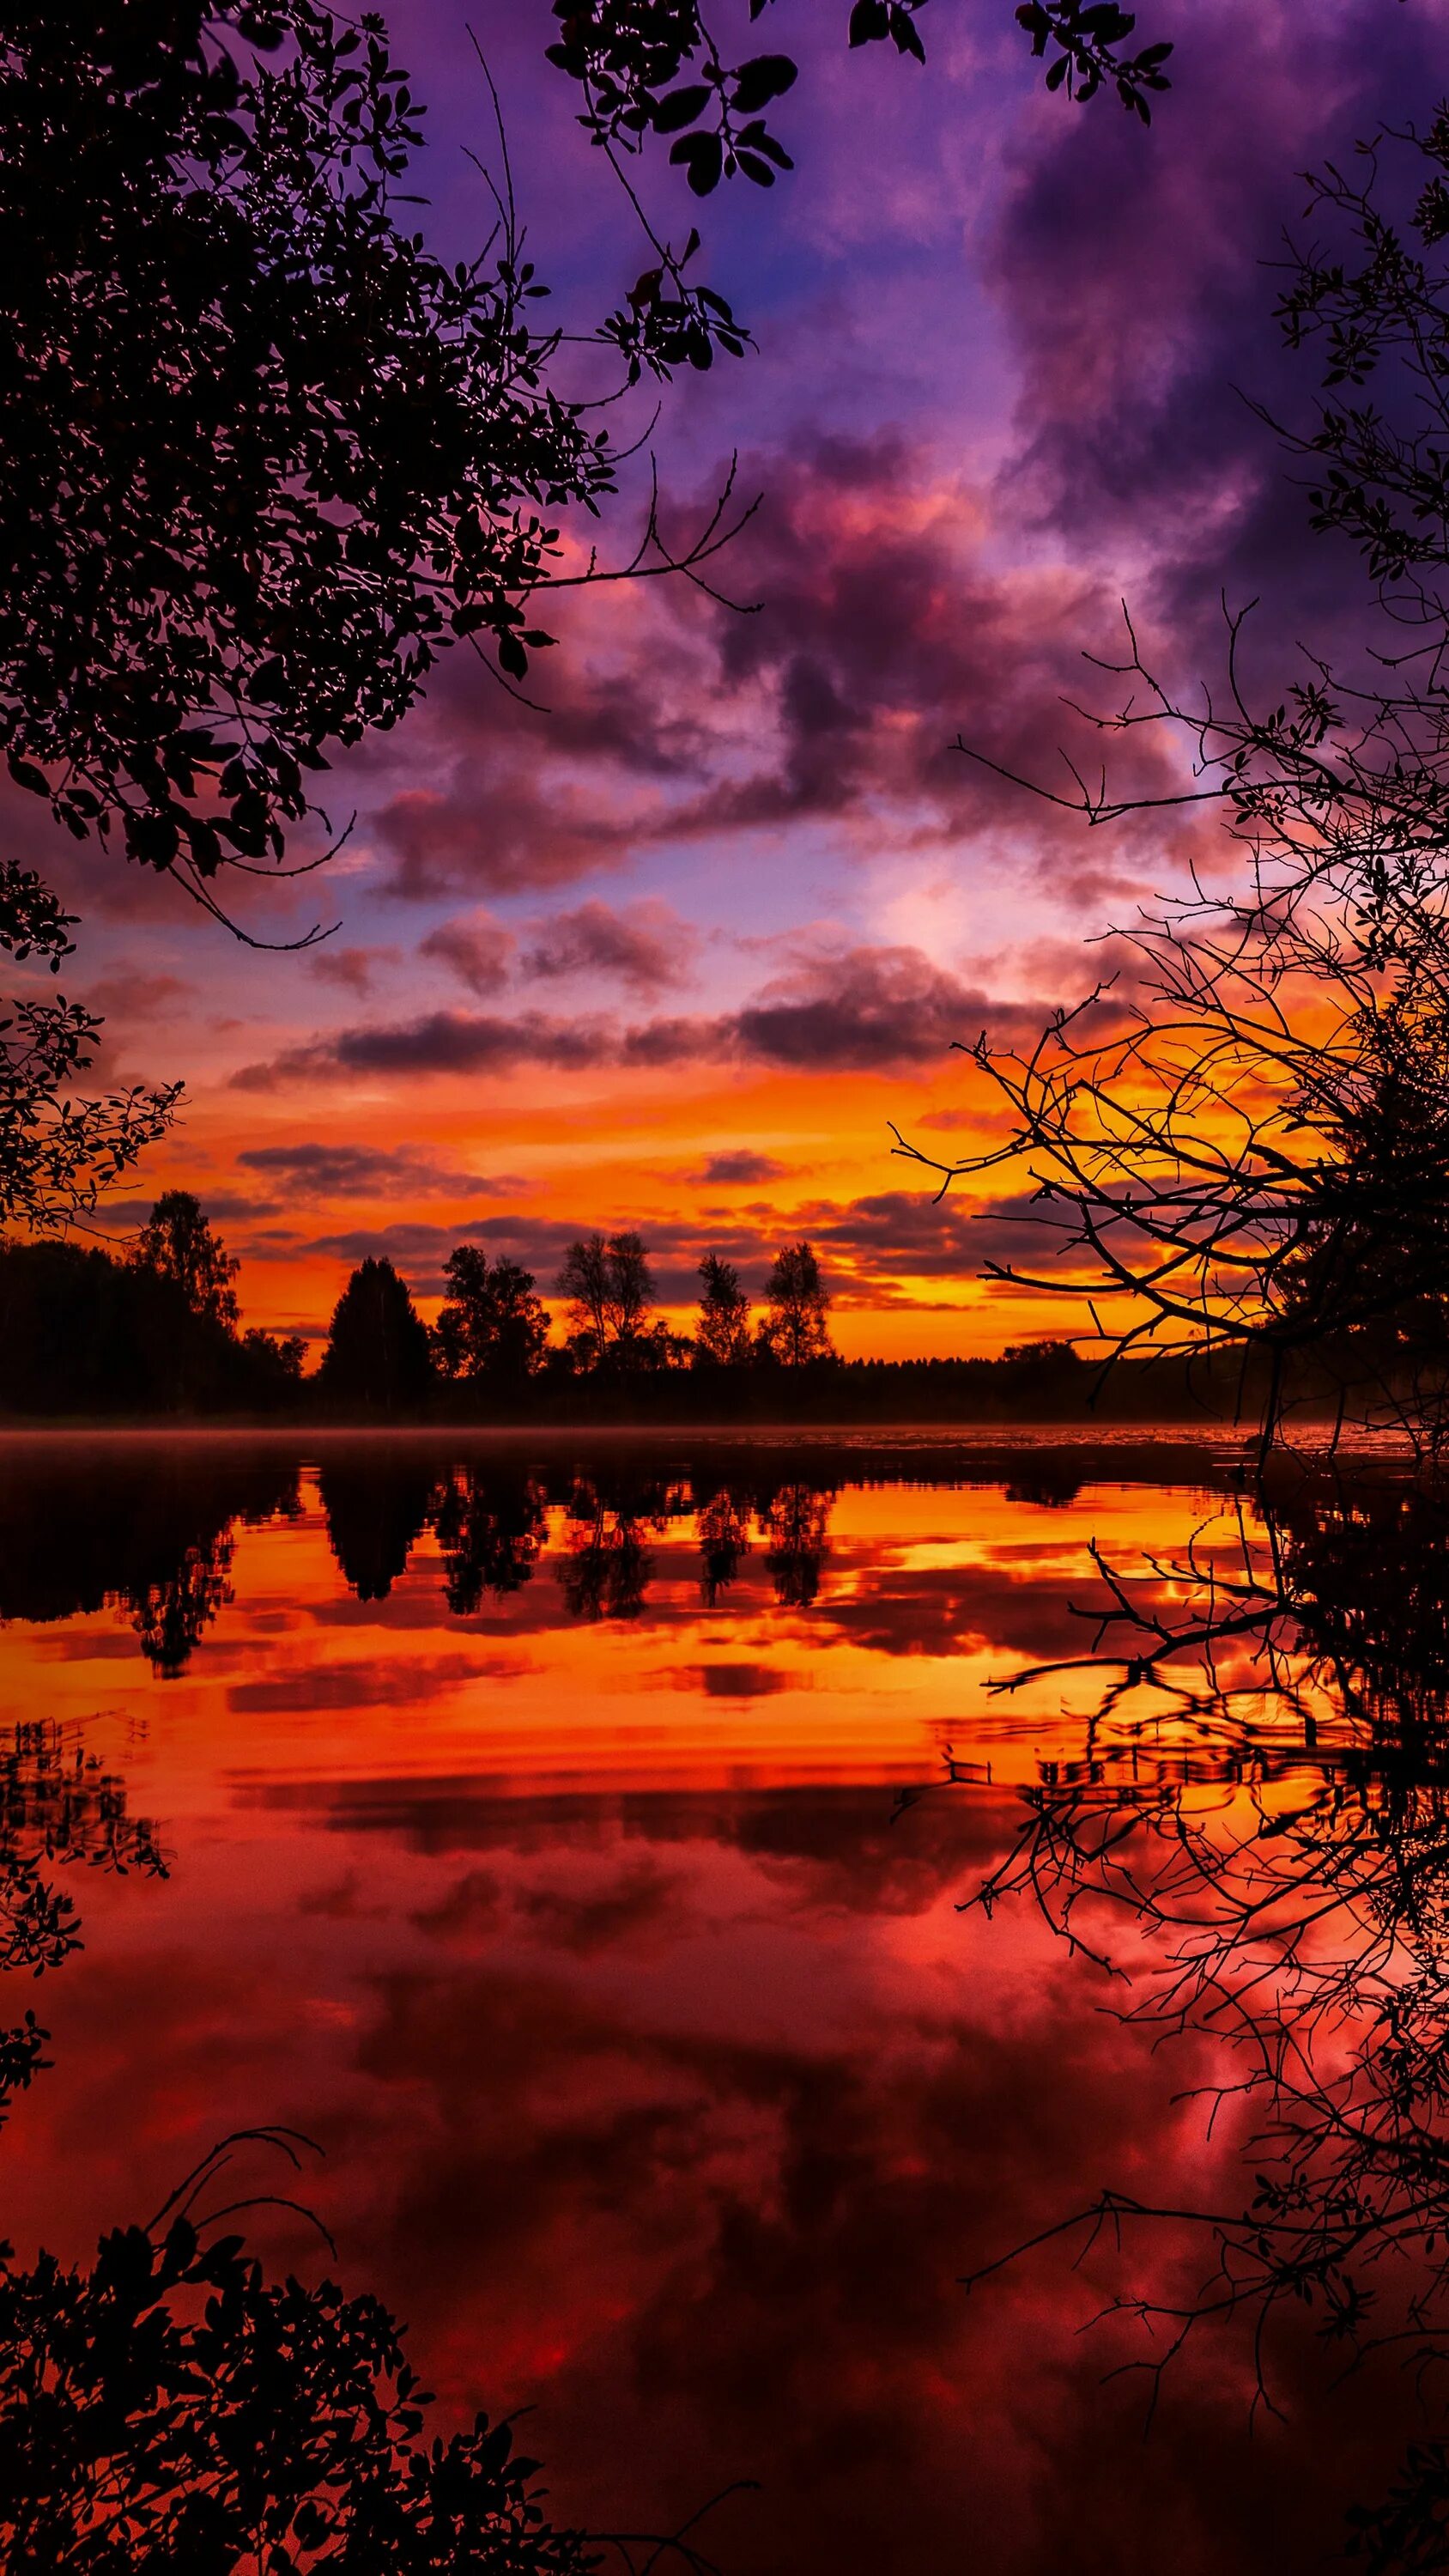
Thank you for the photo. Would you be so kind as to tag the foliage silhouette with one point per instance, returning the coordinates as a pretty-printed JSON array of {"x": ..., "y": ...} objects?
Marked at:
[
  {"x": 1249, "y": 1149},
  {"x": 722, "y": 1333},
  {"x": 357, "y": 458},
  {"x": 59, "y": 1155},
  {"x": 377, "y": 1346},
  {"x": 492, "y": 1323},
  {"x": 652, "y": 68},
  {"x": 796, "y": 1331},
  {"x": 172, "y": 2407}
]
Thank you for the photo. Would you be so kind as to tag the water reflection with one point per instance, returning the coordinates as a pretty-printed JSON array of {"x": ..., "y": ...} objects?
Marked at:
[
  {"x": 161, "y": 1544},
  {"x": 1299, "y": 1927},
  {"x": 539, "y": 1848},
  {"x": 58, "y": 1807},
  {"x": 723, "y": 1526},
  {"x": 146, "y": 1526},
  {"x": 491, "y": 1529},
  {"x": 376, "y": 1503}
]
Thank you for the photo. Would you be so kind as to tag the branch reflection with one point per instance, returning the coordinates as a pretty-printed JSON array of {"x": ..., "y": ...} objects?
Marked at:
[{"x": 1263, "y": 1806}]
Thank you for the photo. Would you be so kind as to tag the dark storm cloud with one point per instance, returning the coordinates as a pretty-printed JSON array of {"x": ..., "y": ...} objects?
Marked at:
[
  {"x": 872, "y": 1007},
  {"x": 882, "y": 635},
  {"x": 443, "y": 1042}
]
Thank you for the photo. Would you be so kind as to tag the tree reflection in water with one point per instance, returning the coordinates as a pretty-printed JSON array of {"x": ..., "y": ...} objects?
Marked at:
[
  {"x": 376, "y": 1502},
  {"x": 58, "y": 1807},
  {"x": 794, "y": 1525},
  {"x": 157, "y": 1537},
  {"x": 154, "y": 1537},
  {"x": 1273, "y": 1823},
  {"x": 607, "y": 1571},
  {"x": 490, "y": 1529},
  {"x": 171, "y": 1617},
  {"x": 169, "y": 2403},
  {"x": 722, "y": 1525}
]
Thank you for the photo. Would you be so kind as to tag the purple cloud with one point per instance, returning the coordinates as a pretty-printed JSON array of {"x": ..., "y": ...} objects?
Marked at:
[
  {"x": 868, "y": 1009},
  {"x": 644, "y": 945}
]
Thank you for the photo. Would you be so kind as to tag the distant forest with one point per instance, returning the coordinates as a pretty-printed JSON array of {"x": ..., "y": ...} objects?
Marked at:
[{"x": 156, "y": 1333}]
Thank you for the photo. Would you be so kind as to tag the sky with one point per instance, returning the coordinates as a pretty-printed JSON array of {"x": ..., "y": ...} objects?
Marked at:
[{"x": 673, "y": 949}]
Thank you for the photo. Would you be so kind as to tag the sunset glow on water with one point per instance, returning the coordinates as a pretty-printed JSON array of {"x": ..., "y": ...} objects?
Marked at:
[{"x": 592, "y": 1927}]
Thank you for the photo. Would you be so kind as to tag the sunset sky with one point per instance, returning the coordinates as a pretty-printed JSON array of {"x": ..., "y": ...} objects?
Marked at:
[{"x": 671, "y": 951}]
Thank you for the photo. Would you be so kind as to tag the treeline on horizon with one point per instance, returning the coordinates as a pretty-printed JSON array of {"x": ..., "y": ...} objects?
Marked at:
[{"x": 157, "y": 1332}]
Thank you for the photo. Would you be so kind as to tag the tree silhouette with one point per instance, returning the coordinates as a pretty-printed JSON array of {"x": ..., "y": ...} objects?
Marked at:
[
  {"x": 274, "y": 1364},
  {"x": 178, "y": 1244},
  {"x": 610, "y": 1289},
  {"x": 268, "y": 455},
  {"x": 1250, "y": 1150},
  {"x": 493, "y": 1322},
  {"x": 377, "y": 1346},
  {"x": 796, "y": 1330},
  {"x": 722, "y": 1332},
  {"x": 81, "y": 1332}
]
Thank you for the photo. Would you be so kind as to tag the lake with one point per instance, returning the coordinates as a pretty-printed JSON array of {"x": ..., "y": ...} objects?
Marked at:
[{"x": 576, "y": 1839}]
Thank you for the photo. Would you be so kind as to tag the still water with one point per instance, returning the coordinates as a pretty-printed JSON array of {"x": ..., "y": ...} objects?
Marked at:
[{"x": 572, "y": 1838}]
